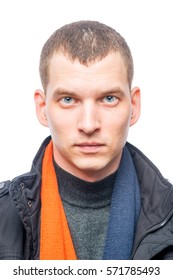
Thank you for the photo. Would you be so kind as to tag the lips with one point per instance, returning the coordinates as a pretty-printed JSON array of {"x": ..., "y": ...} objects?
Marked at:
[{"x": 90, "y": 147}]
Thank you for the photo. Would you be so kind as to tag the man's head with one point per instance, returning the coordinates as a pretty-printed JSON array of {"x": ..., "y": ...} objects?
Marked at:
[
  {"x": 87, "y": 42},
  {"x": 87, "y": 103}
]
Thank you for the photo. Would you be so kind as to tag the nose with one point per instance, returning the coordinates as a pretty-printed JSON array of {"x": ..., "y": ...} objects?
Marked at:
[{"x": 89, "y": 119}]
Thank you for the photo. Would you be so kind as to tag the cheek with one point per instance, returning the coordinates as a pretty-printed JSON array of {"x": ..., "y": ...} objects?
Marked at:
[
  {"x": 60, "y": 125},
  {"x": 118, "y": 128},
  {"x": 55, "y": 121},
  {"x": 119, "y": 121},
  {"x": 124, "y": 126}
]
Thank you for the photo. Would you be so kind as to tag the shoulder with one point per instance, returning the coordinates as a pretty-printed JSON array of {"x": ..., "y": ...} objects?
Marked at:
[
  {"x": 11, "y": 229},
  {"x": 4, "y": 188},
  {"x": 7, "y": 206},
  {"x": 144, "y": 166},
  {"x": 5, "y": 199}
]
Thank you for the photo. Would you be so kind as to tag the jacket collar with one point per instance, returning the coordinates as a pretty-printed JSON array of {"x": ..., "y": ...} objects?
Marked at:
[
  {"x": 156, "y": 191},
  {"x": 156, "y": 198}
]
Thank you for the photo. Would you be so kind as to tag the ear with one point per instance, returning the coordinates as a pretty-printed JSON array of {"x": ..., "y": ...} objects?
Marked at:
[
  {"x": 136, "y": 105},
  {"x": 40, "y": 105}
]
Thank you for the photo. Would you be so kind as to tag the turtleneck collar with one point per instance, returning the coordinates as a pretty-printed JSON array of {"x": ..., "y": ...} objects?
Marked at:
[{"x": 78, "y": 192}]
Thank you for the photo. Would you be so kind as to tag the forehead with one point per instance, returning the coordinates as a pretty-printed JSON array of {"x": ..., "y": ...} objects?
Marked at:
[
  {"x": 63, "y": 71},
  {"x": 113, "y": 60}
]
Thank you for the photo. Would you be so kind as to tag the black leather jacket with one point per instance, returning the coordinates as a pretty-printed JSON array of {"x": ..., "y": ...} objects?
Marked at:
[{"x": 20, "y": 212}]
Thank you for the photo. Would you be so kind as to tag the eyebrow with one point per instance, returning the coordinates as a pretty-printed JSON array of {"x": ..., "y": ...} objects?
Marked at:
[
  {"x": 62, "y": 92},
  {"x": 116, "y": 90}
]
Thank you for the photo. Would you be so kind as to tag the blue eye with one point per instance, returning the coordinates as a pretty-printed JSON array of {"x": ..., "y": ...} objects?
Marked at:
[
  {"x": 67, "y": 100},
  {"x": 110, "y": 99}
]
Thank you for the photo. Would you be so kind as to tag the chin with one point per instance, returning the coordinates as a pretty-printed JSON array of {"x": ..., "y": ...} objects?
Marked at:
[{"x": 92, "y": 168}]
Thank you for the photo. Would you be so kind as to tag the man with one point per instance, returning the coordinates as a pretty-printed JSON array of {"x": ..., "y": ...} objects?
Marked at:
[{"x": 89, "y": 194}]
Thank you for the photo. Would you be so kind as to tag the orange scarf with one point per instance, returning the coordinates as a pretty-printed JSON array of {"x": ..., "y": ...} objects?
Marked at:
[{"x": 55, "y": 239}]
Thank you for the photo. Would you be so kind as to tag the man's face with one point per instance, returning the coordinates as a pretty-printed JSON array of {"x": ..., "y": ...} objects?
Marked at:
[{"x": 89, "y": 110}]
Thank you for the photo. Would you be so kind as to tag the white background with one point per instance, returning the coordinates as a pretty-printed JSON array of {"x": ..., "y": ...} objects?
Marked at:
[
  {"x": 147, "y": 26},
  {"x": 87, "y": 269}
]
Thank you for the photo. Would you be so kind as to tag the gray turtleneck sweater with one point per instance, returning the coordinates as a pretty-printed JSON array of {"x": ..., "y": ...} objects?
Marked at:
[{"x": 87, "y": 208}]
